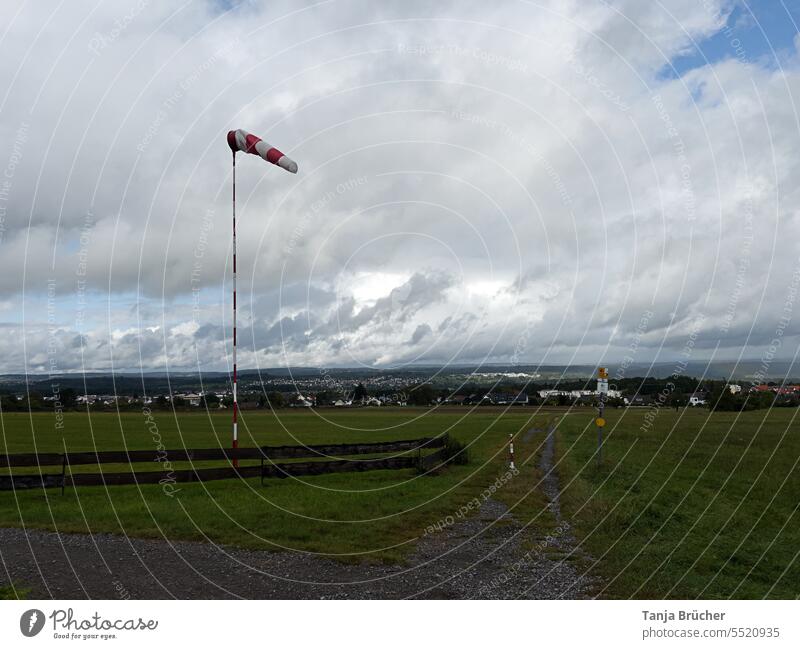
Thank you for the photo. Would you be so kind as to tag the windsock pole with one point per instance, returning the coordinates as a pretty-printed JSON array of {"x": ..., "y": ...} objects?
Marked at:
[
  {"x": 240, "y": 140},
  {"x": 235, "y": 395}
]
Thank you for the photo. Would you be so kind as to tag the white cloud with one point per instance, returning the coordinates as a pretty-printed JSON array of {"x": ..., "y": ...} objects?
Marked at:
[{"x": 525, "y": 172}]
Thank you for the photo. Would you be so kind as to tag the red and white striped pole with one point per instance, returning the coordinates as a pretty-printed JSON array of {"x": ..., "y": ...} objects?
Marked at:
[
  {"x": 511, "y": 452},
  {"x": 235, "y": 394},
  {"x": 242, "y": 141}
]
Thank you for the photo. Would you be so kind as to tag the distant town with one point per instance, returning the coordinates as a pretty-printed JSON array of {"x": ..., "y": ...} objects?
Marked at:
[{"x": 352, "y": 388}]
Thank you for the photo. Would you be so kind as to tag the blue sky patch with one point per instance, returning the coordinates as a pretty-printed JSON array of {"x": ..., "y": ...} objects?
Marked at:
[{"x": 761, "y": 32}]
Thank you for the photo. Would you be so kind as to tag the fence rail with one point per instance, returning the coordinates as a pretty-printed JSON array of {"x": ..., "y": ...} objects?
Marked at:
[
  {"x": 208, "y": 454},
  {"x": 265, "y": 454}
]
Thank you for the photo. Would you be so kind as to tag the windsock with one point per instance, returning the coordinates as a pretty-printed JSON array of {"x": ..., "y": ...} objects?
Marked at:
[{"x": 240, "y": 140}]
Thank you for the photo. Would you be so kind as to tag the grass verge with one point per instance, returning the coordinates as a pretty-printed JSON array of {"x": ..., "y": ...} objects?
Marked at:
[{"x": 686, "y": 504}]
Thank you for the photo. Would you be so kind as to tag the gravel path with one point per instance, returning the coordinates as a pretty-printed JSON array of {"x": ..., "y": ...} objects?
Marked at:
[
  {"x": 565, "y": 540},
  {"x": 476, "y": 557}
]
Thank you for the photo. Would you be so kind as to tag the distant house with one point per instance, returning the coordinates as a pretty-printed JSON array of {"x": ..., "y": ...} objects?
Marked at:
[
  {"x": 392, "y": 400},
  {"x": 546, "y": 394},
  {"x": 697, "y": 399},
  {"x": 192, "y": 399},
  {"x": 508, "y": 398},
  {"x": 779, "y": 390},
  {"x": 373, "y": 401},
  {"x": 641, "y": 400},
  {"x": 299, "y": 401}
]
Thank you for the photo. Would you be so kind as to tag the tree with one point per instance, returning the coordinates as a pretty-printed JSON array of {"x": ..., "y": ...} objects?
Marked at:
[
  {"x": 360, "y": 393},
  {"x": 722, "y": 399},
  {"x": 68, "y": 398},
  {"x": 421, "y": 395},
  {"x": 33, "y": 401},
  {"x": 8, "y": 402},
  {"x": 275, "y": 400},
  {"x": 325, "y": 398},
  {"x": 534, "y": 399},
  {"x": 678, "y": 400}
]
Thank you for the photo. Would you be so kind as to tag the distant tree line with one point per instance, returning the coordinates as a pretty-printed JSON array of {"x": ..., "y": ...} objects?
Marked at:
[
  {"x": 673, "y": 392},
  {"x": 721, "y": 399}
]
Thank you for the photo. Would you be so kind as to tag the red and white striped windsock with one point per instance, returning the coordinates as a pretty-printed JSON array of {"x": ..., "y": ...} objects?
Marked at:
[{"x": 240, "y": 140}]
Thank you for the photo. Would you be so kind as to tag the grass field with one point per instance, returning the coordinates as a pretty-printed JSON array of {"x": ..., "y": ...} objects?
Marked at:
[
  {"x": 374, "y": 515},
  {"x": 690, "y": 505},
  {"x": 686, "y": 504}
]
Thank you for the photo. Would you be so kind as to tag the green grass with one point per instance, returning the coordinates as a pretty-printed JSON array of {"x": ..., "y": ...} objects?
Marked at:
[
  {"x": 693, "y": 505},
  {"x": 373, "y": 515},
  {"x": 7, "y": 592}
]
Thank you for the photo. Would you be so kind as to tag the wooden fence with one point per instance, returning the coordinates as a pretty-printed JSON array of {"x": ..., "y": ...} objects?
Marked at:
[{"x": 267, "y": 467}]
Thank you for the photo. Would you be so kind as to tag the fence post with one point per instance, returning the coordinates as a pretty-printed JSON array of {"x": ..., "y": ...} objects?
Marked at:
[{"x": 63, "y": 472}]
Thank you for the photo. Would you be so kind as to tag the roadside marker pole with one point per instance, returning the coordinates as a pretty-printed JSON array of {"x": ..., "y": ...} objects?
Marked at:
[
  {"x": 602, "y": 390},
  {"x": 511, "y": 452},
  {"x": 600, "y": 423}
]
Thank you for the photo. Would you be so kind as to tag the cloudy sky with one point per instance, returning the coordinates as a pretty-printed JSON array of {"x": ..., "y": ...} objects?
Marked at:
[{"x": 554, "y": 181}]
